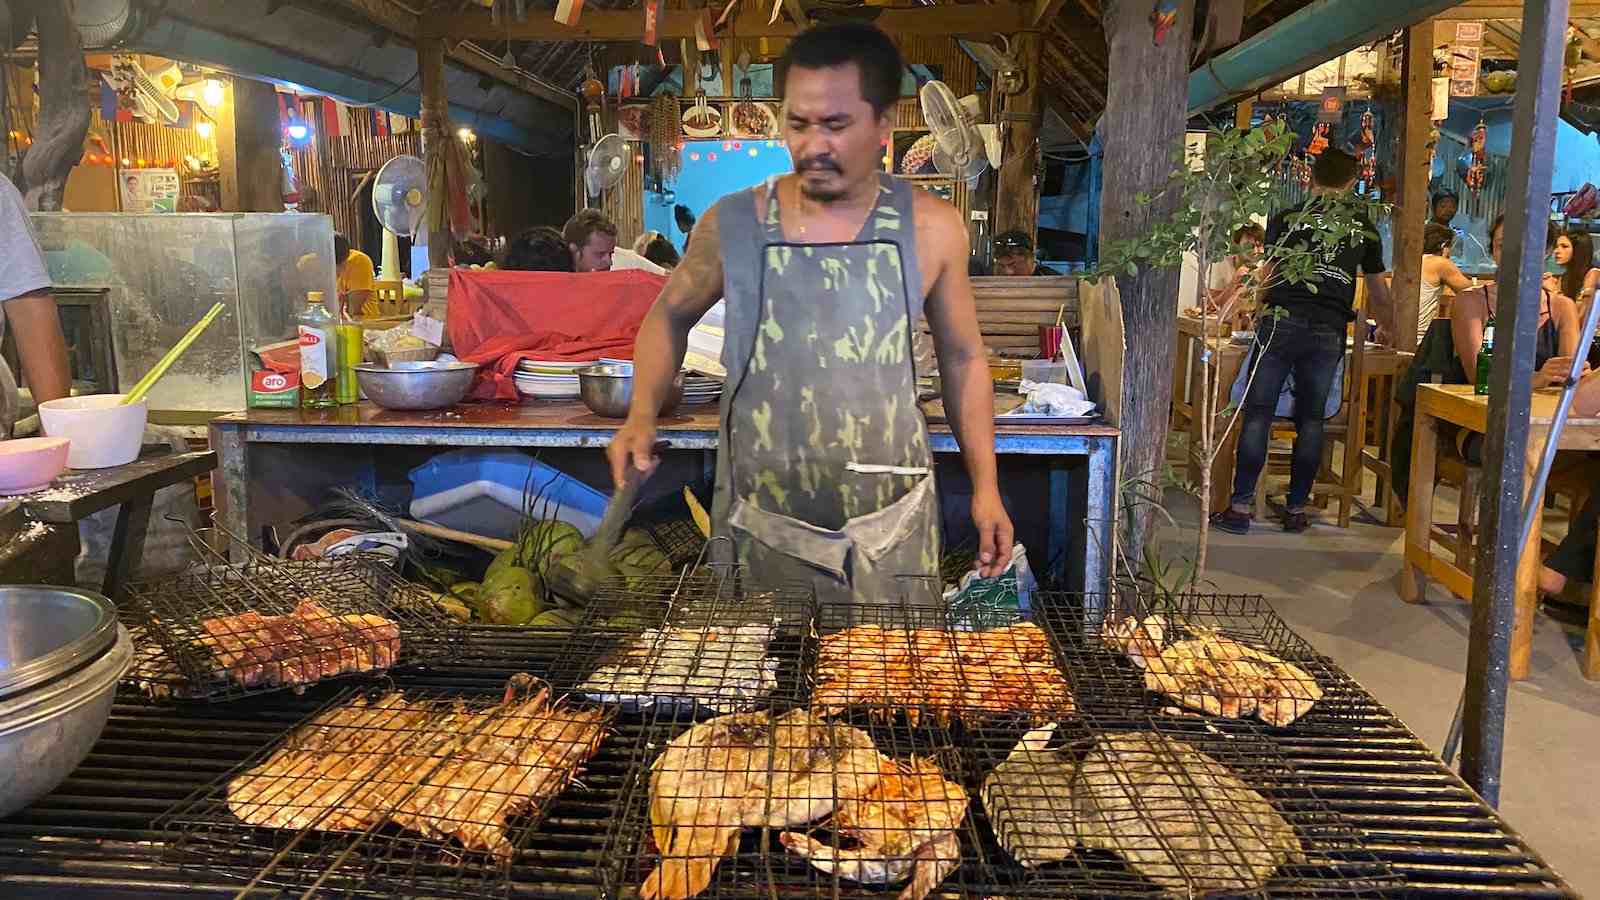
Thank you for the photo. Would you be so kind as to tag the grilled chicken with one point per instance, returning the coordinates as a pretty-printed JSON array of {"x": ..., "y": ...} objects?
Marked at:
[
  {"x": 1216, "y": 674},
  {"x": 446, "y": 770},
  {"x": 746, "y": 770},
  {"x": 903, "y": 825},
  {"x": 1029, "y": 800},
  {"x": 1177, "y": 816},
  {"x": 945, "y": 673},
  {"x": 308, "y": 645}
]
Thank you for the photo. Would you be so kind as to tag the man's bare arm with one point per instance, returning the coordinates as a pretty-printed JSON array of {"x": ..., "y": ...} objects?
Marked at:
[
  {"x": 1380, "y": 303},
  {"x": 40, "y": 345},
  {"x": 692, "y": 289},
  {"x": 964, "y": 371}
]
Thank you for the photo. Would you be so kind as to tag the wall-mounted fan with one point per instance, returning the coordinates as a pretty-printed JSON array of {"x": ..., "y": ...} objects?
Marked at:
[
  {"x": 399, "y": 197},
  {"x": 606, "y": 164},
  {"x": 964, "y": 151},
  {"x": 102, "y": 23},
  {"x": 144, "y": 92}
]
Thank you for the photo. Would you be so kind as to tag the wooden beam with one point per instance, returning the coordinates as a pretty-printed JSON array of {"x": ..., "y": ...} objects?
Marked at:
[
  {"x": 1501, "y": 9},
  {"x": 1227, "y": 23},
  {"x": 248, "y": 137},
  {"x": 435, "y": 115},
  {"x": 1045, "y": 12},
  {"x": 1411, "y": 212},
  {"x": 628, "y": 25},
  {"x": 1017, "y": 198}
]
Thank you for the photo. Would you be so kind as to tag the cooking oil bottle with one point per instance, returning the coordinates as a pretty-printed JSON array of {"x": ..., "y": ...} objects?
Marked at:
[{"x": 319, "y": 361}]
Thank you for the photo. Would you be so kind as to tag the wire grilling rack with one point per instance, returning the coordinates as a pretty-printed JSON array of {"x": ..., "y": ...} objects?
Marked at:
[
  {"x": 1205, "y": 655},
  {"x": 1140, "y": 806},
  {"x": 774, "y": 803},
  {"x": 388, "y": 792},
  {"x": 238, "y": 629},
  {"x": 918, "y": 660},
  {"x": 706, "y": 637}
]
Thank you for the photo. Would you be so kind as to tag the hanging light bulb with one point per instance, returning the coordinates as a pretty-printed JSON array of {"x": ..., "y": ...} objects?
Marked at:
[
  {"x": 466, "y": 135},
  {"x": 211, "y": 94}
]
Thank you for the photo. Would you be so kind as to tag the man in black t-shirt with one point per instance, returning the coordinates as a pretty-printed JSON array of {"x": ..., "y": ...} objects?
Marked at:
[{"x": 1302, "y": 332}]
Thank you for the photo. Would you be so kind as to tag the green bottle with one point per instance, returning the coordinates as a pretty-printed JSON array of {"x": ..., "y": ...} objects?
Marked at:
[{"x": 1485, "y": 357}]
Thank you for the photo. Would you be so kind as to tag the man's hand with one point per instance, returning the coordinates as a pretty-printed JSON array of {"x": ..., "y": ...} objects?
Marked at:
[
  {"x": 633, "y": 445},
  {"x": 995, "y": 537}
]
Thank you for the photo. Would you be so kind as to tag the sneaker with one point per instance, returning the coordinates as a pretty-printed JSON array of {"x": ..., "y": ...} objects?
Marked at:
[
  {"x": 1232, "y": 521},
  {"x": 1296, "y": 522}
]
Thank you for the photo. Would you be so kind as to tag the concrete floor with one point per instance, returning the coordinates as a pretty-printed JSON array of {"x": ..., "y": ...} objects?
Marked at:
[{"x": 1336, "y": 587}]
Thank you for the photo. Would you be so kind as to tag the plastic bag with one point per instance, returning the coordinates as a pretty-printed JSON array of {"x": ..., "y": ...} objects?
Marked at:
[{"x": 979, "y": 603}]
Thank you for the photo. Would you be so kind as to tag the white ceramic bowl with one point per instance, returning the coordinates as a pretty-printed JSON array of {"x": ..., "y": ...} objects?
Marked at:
[
  {"x": 103, "y": 433},
  {"x": 28, "y": 464}
]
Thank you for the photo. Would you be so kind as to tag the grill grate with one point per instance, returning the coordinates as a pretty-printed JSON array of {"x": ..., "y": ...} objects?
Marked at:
[
  {"x": 700, "y": 638},
  {"x": 264, "y": 625},
  {"x": 98, "y": 835},
  {"x": 430, "y": 791}
]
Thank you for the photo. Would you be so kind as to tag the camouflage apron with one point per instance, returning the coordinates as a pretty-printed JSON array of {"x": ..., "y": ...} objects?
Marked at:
[{"x": 826, "y": 473}]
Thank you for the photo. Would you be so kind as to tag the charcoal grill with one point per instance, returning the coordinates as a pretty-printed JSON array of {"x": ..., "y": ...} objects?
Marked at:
[{"x": 98, "y": 834}]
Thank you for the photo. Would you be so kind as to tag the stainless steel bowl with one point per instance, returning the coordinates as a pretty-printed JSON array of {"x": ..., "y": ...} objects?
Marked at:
[
  {"x": 46, "y": 632},
  {"x": 46, "y": 732},
  {"x": 415, "y": 385},
  {"x": 607, "y": 391}
]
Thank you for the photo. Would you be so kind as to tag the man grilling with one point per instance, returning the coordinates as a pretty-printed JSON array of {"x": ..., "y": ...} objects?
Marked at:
[{"x": 825, "y": 472}]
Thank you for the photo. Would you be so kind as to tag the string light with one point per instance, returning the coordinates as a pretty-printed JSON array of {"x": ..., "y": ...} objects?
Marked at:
[
  {"x": 711, "y": 157},
  {"x": 203, "y": 129},
  {"x": 754, "y": 151},
  {"x": 143, "y": 164},
  {"x": 694, "y": 157},
  {"x": 127, "y": 163}
]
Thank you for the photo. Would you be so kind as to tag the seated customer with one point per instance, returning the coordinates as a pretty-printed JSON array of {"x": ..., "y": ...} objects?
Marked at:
[
  {"x": 1013, "y": 255},
  {"x": 592, "y": 240},
  {"x": 1438, "y": 272},
  {"x": 1225, "y": 282},
  {"x": 537, "y": 249},
  {"x": 1448, "y": 352},
  {"x": 654, "y": 246}
]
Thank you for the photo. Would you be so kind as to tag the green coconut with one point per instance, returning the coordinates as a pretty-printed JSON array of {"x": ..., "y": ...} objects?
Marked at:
[
  {"x": 547, "y": 540},
  {"x": 555, "y": 618},
  {"x": 511, "y": 597}
]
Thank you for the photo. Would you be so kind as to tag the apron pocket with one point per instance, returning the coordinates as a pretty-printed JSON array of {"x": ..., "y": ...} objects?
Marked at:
[
  {"x": 876, "y": 534},
  {"x": 820, "y": 548}
]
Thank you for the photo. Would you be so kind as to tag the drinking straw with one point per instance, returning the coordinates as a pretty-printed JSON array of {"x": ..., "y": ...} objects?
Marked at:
[{"x": 151, "y": 377}]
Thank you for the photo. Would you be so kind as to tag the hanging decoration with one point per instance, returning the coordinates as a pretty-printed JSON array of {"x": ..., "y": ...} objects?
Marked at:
[
  {"x": 1479, "y": 169},
  {"x": 1162, "y": 17},
  {"x": 652, "y": 14},
  {"x": 1369, "y": 152},
  {"x": 666, "y": 119},
  {"x": 1302, "y": 171},
  {"x": 1319, "y": 140}
]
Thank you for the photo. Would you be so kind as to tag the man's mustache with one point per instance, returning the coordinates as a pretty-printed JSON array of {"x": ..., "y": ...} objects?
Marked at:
[{"x": 817, "y": 164}]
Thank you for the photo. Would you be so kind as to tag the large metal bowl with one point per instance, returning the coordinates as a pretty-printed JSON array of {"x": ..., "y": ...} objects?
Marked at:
[
  {"x": 607, "y": 391},
  {"x": 46, "y": 732},
  {"x": 415, "y": 385},
  {"x": 46, "y": 632}
]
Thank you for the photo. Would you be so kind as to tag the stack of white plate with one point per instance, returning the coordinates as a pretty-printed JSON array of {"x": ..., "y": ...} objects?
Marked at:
[
  {"x": 700, "y": 389},
  {"x": 547, "y": 379}
]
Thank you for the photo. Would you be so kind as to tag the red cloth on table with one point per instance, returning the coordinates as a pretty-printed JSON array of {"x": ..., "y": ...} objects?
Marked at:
[{"x": 498, "y": 318}]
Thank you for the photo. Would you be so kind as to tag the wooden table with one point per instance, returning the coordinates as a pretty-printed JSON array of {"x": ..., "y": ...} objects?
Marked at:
[
  {"x": 81, "y": 493},
  {"x": 1456, "y": 404},
  {"x": 276, "y": 465}
]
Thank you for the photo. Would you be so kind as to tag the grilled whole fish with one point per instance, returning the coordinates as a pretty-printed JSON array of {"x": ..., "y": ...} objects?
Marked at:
[
  {"x": 1216, "y": 674},
  {"x": 904, "y": 825},
  {"x": 746, "y": 770},
  {"x": 1029, "y": 800},
  {"x": 1177, "y": 816}
]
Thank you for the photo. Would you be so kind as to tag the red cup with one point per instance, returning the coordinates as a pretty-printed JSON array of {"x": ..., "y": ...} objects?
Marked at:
[{"x": 1050, "y": 338}]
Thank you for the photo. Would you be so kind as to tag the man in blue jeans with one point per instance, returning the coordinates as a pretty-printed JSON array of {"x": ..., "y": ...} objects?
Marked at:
[{"x": 1302, "y": 331}]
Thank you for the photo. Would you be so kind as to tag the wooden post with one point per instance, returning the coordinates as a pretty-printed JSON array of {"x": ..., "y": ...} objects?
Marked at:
[
  {"x": 63, "y": 118},
  {"x": 1411, "y": 209},
  {"x": 1142, "y": 127},
  {"x": 435, "y": 131},
  {"x": 1017, "y": 197},
  {"x": 248, "y": 137}
]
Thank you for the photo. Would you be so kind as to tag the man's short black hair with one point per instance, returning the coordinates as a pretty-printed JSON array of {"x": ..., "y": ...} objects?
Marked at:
[
  {"x": 829, "y": 46},
  {"x": 537, "y": 249},
  {"x": 1444, "y": 195},
  {"x": 1012, "y": 243},
  {"x": 1334, "y": 168},
  {"x": 661, "y": 252},
  {"x": 341, "y": 248},
  {"x": 587, "y": 223}
]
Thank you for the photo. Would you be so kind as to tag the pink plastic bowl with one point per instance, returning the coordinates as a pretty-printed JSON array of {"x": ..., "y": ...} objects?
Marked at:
[{"x": 29, "y": 464}]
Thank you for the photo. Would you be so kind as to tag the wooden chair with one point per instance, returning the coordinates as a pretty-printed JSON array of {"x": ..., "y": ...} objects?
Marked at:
[
  {"x": 390, "y": 298},
  {"x": 1010, "y": 310}
]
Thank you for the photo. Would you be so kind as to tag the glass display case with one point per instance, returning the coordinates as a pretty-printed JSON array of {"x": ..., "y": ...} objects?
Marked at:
[{"x": 159, "y": 273}]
